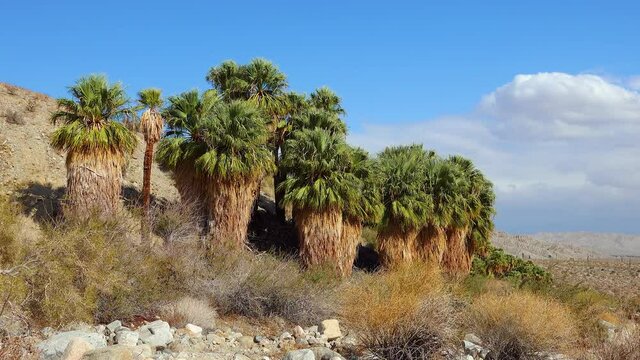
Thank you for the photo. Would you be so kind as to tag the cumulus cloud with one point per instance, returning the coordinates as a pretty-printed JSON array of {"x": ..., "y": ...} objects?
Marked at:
[{"x": 562, "y": 150}]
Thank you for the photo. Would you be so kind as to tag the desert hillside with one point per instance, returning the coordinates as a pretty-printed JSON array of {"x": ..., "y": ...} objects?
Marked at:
[
  {"x": 29, "y": 164},
  {"x": 607, "y": 243}
]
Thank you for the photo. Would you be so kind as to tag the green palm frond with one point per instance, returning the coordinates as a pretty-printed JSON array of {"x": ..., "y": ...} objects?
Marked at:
[
  {"x": 316, "y": 162},
  {"x": 363, "y": 202},
  {"x": 151, "y": 98},
  {"x": 325, "y": 99},
  {"x": 313, "y": 118},
  {"x": 91, "y": 118}
]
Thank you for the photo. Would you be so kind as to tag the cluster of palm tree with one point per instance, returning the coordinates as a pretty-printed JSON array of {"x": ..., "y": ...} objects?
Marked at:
[{"x": 222, "y": 143}]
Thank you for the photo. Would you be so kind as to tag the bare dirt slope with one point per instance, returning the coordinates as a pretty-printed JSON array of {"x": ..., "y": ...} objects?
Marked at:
[
  {"x": 532, "y": 248},
  {"x": 29, "y": 165}
]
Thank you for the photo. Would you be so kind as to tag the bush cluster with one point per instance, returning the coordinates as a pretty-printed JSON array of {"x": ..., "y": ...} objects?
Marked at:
[{"x": 498, "y": 264}]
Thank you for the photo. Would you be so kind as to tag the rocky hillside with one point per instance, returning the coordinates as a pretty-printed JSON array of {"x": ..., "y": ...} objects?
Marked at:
[
  {"x": 532, "y": 248},
  {"x": 29, "y": 165}
]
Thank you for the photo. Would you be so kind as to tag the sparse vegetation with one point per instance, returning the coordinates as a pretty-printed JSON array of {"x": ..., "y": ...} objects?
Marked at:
[
  {"x": 13, "y": 117},
  {"x": 188, "y": 310},
  {"x": 32, "y": 105}
]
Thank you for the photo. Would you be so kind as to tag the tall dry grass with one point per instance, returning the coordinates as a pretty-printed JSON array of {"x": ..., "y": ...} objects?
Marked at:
[{"x": 519, "y": 324}]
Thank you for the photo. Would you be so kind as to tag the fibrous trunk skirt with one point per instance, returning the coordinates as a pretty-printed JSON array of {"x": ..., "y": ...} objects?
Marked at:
[
  {"x": 349, "y": 240},
  {"x": 432, "y": 244},
  {"x": 191, "y": 184},
  {"x": 397, "y": 246},
  {"x": 319, "y": 233},
  {"x": 230, "y": 204},
  {"x": 94, "y": 184},
  {"x": 457, "y": 259}
]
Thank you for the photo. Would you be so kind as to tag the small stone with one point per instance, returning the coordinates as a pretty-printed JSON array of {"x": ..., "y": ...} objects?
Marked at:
[
  {"x": 298, "y": 332},
  {"x": 216, "y": 339},
  {"x": 301, "y": 341},
  {"x": 473, "y": 339},
  {"x": 304, "y": 354},
  {"x": 194, "y": 330},
  {"x": 286, "y": 335},
  {"x": 245, "y": 341},
  {"x": 241, "y": 357},
  {"x": 76, "y": 349},
  {"x": 114, "y": 325},
  {"x": 127, "y": 338},
  {"x": 330, "y": 329}
]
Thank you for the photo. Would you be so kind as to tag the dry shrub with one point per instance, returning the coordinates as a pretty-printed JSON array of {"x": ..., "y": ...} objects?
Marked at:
[
  {"x": 176, "y": 222},
  {"x": 18, "y": 348},
  {"x": 517, "y": 325},
  {"x": 14, "y": 117},
  {"x": 624, "y": 347},
  {"x": 32, "y": 105},
  {"x": 264, "y": 286},
  {"x": 400, "y": 314},
  {"x": 189, "y": 310}
]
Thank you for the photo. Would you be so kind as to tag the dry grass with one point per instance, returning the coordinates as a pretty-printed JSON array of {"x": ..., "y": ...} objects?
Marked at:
[
  {"x": 18, "y": 348},
  {"x": 189, "y": 310},
  {"x": 626, "y": 347},
  {"x": 400, "y": 314},
  {"x": 14, "y": 117},
  {"x": 517, "y": 325},
  {"x": 176, "y": 222}
]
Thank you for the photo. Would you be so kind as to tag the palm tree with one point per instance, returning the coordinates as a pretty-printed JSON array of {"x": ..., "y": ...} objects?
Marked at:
[
  {"x": 312, "y": 118},
  {"x": 406, "y": 205},
  {"x": 151, "y": 124},
  {"x": 316, "y": 187},
  {"x": 183, "y": 143},
  {"x": 96, "y": 144},
  {"x": 325, "y": 99},
  {"x": 362, "y": 207},
  {"x": 237, "y": 157},
  {"x": 445, "y": 184}
]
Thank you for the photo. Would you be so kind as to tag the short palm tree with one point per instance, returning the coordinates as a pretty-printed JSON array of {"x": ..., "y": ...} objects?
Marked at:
[
  {"x": 316, "y": 187},
  {"x": 237, "y": 157},
  {"x": 363, "y": 206},
  {"x": 96, "y": 143},
  {"x": 406, "y": 205},
  {"x": 445, "y": 184},
  {"x": 151, "y": 125},
  {"x": 183, "y": 143}
]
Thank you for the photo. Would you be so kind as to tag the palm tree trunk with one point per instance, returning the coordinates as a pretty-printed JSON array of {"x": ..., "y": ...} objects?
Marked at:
[
  {"x": 146, "y": 191},
  {"x": 94, "y": 184},
  {"x": 351, "y": 231},
  {"x": 278, "y": 178},
  {"x": 432, "y": 244},
  {"x": 397, "y": 246},
  {"x": 230, "y": 204},
  {"x": 456, "y": 259},
  {"x": 319, "y": 233}
]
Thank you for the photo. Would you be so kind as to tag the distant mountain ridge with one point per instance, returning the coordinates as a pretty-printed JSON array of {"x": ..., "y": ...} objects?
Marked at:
[{"x": 613, "y": 244}]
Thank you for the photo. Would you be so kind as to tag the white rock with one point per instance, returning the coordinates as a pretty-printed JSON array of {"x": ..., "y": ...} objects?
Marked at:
[
  {"x": 194, "y": 330},
  {"x": 305, "y": 354},
  {"x": 127, "y": 338},
  {"x": 330, "y": 329},
  {"x": 156, "y": 334},
  {"x": 54, "y": 347},
  {"x": 298, "y": 332},
  {"x": 76, "y": 349},
  {"x": 114, "y": 325}
]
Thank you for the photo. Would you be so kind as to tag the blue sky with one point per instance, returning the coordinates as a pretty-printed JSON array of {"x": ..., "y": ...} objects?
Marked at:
[{"x": 421, "y": 65}]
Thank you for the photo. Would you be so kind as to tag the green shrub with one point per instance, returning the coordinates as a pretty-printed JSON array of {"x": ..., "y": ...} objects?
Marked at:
[{"x": 500, "y": 265}]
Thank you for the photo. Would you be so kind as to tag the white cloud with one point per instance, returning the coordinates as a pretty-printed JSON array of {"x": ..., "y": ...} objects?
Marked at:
[{"x": 563, "y": 150}]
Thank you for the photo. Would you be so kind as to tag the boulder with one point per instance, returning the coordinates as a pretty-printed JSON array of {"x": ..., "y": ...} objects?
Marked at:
[
  {"x": 76, "y": 349},
  {"x": 330, "y": 329},
  {"x": 323, "y": 353},
  {"x": 194, "y": 330},
  {"x": 127, "y": 338},
  {"x": 119, "y": 352},
  {"x": 113, "y": 326},
  {"x": 55, "y": 346},
  {"x": 298, "y": 332},
  {"x": 304, "y": 354},
  {"x": 156, "y": 334},
  {"x": 245, "y": 341}
]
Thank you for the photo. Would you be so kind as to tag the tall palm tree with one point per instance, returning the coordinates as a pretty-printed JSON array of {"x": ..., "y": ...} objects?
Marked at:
[
  {"x": 96, "y": 144},
  {"x": 312, "y": 118},
  {"x": 325, "y": 99},
  {"x": 316, "y": 187},
  {"x": 445, "y": 184},
  {"x": 406, "y": 205},
  {"x": 237, "y": 157},
  {"x": 184, "y": 143},
  {"x": 362, "y": 207},
  {"x": 151, "y": 124}
]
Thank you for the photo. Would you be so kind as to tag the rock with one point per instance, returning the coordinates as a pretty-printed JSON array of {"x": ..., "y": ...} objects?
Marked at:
[
  {"x": 304, "y": 354},
  {"x": 330, "y": 329},
  {"x": 302, "y": 342},
  {"x": 194, "y": 330},
  {"x": 245, "y": 341},
  {"x": 76, "y": 348},
  {"x": 127, "y": 338},
  {"x": 298, "y": 332},
  {"x": 473, "y": 339},
  {"x": 323, "y": 353},
  {"x": 157, "y": 334},
  {"x": 119, "y": 352},
  {"x": 471, "y": 348},
  {"x": 286, "y": 335},
  {"x": 142, "y": 351},
  {"x": 55, "y": 346},
  {"x": 241, "y": 357},
  {"x": 114, "y": 325},
  {"x": 215, "y": 339}
]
